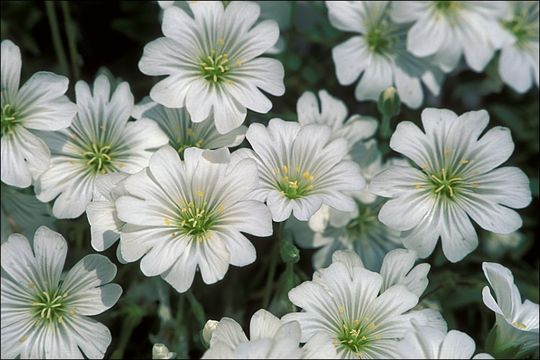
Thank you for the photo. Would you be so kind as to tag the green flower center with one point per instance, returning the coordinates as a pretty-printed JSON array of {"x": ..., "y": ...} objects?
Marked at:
[
  {"x": 49, "y": 307},
  {"x": 365, "y": 219},
  {"x": 9, "y": 119},
  {"x": 196, "y": 220},
  {"x": 191, "y": 140},
  {"x": 214, "y": 67},
  {"x": 294, "y": 184},
  {"x": 356, "y": 336},
  {"x": 379, "y": 40},
  {"x": 520, "y": 28},
  {"x": 99, "y": 159},
  {"x": 445, "y": 6},
  {"x": 445, "y": 184}
]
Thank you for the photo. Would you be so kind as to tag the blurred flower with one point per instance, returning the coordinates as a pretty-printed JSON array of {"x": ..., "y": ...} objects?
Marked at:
[
  {"x": 101, "y": 140},
  {"x": 40, "y": 104},
  {"x": 184, "y": 215},
  {"x": 301, "y": 168},
  {"x": 359, "y": 230},
  {"x": 457, "y": 179},
  {"x": 22, "y": 213},
  {"x": 333, "y": 112},
  {"x": 184, "y": 133},
  {"x": 105, "y": 226},
  {"x": 270, "y": 338},
  {"x": 160, "y": 351},
  {"x": 363, "y": 312},
  {"x": 379, "y": 53},
  {"x": 516, "y": 327},
  {"x": 428, "y": 343},
  {"x": 44, "y": 313},
  {"x": 518, "y": 64},
  {"x": 496, "y": 245},
  {"x": 448, "y": 29},
  {"x": 212, "y": 62}
]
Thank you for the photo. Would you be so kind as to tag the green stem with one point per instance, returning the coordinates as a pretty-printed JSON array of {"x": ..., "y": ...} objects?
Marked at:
[
  {"x": 57, "y": 40},
  {"x": 72, "y": 42},
  {"x": 129, "y": 324},
  {"x": 289, "y": 271},
  {"x": 197, "y": 308},
  {"x": 386, "y": 131},
  {"x": 270, "y": 277}
]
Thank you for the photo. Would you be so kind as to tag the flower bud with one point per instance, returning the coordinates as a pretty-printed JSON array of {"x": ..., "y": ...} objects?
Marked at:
[
  {"x": 160, "y": 351},
  {"x": 208, "y": 330},
  {"x": 289, "y": 253},
  {"x": 389, "y": 103}
]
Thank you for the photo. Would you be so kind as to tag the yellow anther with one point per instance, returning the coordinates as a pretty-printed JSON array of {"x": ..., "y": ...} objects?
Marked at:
[
  {"x": 519, "y": 325},
  {"x": 306, "y": 175},
  {"x": 341, "y": 308},
  {"x": 285, "y": 168},
  {"x": 464, "y": 162},
  {"x": 371, "y": 326},
  {"x": 418, "y": 185},
  {"x": 309, "y": 187},
  {"x": 286, "y": 178},
  {"x": 23, "y": 338},
  {"x": 293, "y": 184},
  {"x": 199, "y": 143},
  {"x": 424, "y": 166},
  {"x": 221, "y": 41},
  {"x": 166, "y": 221},
  {"x": 200, "y": 193},
  {"x": 239, "y": 62}
]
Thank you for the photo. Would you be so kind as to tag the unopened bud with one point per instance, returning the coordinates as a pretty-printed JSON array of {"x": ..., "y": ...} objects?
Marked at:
[
  {"x": 208, "y": 330},
  {"x": 160, "y": 351},
  {"x": 389, "y": 103},
  {"x": 289, "y": 253}
]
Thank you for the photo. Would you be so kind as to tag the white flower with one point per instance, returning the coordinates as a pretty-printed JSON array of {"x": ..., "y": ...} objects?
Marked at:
[
  {"x": 428, "y": 343},
  {"x": 379, "y": 53},
  {"x": 516, "y": 325},
  {"x": 497, "y": 245},
  {"x": 448, "y": 29},
  {"x": 21, "y": 212},
  {"x": 301, "y": 168},
  {"x": 280, "y": 11},
  {"x": 160, "y": 351},
  {"x": 333, "y": 112},
  {"x": 518, "y": 64},
  {"x": 364, "y": 313},
  {"x": 44, "y": 313},
  {"x": 184, "y": 133},
  {"x": 102, "y": 216},
  {"x": 184, "y": 215},
  {"x": 212, "y": 62},
  {"x": 40, "y": 104},
  {"x": 101, "y": 140},
  {"x": 359, "y": 230},
  {"x": 270, "y": 338},
  {"x": 457, "y": 179}
]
